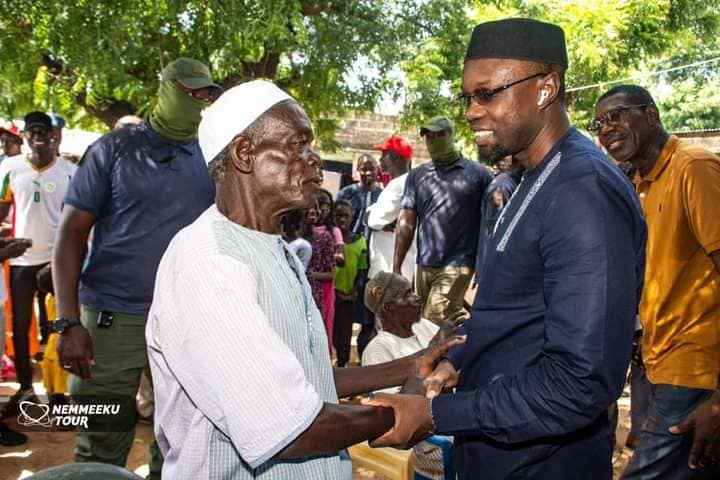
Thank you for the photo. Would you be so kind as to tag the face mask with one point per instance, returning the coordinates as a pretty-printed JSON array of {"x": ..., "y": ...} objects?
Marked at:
[
  {"x": 442, "y": 150},
  {"x": 176, "y": 115}
]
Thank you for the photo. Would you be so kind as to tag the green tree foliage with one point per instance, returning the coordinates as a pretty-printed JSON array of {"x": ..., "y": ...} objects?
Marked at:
[
  {"x": 95, "y": 60},
  {"x": 607, "y": 40}
]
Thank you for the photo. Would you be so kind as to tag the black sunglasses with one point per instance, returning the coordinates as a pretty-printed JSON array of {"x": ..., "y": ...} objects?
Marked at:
[
  {"x": 483, "y": 96},
  {"x": 612, "y": 117},
  {"x": 206, "y": 94}
]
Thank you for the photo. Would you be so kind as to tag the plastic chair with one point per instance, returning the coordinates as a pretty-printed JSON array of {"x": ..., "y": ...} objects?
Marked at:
[
  {"x": 391, "y": 463},
  {"x": 446, "y": 445}
]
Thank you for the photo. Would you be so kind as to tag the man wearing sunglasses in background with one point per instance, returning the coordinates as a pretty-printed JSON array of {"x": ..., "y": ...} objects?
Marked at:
[
  {"x": 550, "y": 335},
  {"x": 136, "y": 188},
  {"x": 679, "y": 189}
]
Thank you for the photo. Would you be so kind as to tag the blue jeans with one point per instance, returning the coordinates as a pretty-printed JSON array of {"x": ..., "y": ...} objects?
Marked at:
[
  {"x": 640, "y": 393},
  {"x": 660, "y": 454}
]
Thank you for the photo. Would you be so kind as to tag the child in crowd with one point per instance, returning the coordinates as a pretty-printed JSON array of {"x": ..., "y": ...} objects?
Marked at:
[
  {"x": 355, "y": 250},
  {"x": 326, "y": 223},
  {"x": 320, "y": 268},
  {"x": 293, "y": 227}
]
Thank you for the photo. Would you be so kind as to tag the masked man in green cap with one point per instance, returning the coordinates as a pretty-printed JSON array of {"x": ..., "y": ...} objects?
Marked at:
[
  {"x": 136, "y": 188},
  {"x": 440, "y": 197}
]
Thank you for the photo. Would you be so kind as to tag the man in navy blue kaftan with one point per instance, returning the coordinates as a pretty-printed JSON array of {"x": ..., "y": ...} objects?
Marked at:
[{"x": 549, "y": 338}]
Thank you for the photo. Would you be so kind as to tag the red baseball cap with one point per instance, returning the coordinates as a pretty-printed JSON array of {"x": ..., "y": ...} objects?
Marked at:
[
  {"x": 12, "y": 129},
  {"x": 398, "y": 145}
]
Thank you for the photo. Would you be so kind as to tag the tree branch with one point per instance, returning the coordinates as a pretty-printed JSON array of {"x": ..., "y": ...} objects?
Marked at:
[{"x": 110, "y": 110}]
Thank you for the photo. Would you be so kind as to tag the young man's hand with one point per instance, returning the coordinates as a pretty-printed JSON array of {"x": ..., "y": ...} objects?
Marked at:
[
  {"x": 75, "y": 350},
  {"x": 443, "y": 377}
]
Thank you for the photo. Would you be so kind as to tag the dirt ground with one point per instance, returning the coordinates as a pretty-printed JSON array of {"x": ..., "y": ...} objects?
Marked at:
[{"x": 45, "y": 449}]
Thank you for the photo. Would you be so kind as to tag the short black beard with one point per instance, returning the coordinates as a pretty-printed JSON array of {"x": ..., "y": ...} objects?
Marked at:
[{"x": 496, "y": 155}]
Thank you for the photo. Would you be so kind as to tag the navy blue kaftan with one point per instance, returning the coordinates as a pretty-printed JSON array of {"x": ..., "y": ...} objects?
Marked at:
[{"x": 550, "y": 335}]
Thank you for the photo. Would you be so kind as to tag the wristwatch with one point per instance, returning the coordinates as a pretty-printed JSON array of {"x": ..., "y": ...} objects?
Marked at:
[{"x": 62, "y": 325}]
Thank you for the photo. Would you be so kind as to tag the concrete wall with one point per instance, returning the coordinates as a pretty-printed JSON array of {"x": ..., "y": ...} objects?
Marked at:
[
  {"x": 359, "y": 132},
  {"x": 709, "y": 139}
]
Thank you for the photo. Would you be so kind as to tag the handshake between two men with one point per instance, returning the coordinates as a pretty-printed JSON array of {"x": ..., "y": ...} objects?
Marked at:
[
  {"x": 412, "y": 405},
  {"x": 397, "y": 308},
  {"x": 401, "y": 419}
]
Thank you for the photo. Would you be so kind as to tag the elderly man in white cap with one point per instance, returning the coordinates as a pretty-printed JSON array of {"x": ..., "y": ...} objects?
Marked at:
[{"x": 243, "y": 383}]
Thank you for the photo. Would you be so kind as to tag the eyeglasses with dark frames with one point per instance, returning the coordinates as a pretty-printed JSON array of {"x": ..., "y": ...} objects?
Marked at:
[
  {"x": 612, "y": 117},
  {"x": 484, "y": 96}
]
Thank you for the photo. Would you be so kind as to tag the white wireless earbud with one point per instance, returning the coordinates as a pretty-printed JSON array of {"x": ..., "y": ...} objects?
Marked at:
[{"x": 543, "y": 97}]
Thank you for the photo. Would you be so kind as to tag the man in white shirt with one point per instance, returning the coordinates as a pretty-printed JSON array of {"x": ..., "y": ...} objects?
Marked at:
[
  {"x": 35, "y": 185},
  {"x": 260, "y": 403},
  {"x": 395, "y": 160}
]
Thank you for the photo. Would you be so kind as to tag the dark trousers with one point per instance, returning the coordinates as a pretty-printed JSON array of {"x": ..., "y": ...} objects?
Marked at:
[
  {"x": 42, "y": 317},
  {"x": 120, "y": 357},
  {"x": 363, "y": 316},
  {"x": 344, "y": 318},
  {"x": 367, "y": 333},
  {"x": 23, "y": 286}
]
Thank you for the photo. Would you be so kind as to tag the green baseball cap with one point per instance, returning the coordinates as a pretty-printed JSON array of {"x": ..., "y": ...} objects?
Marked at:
[
  {"x": 189, "y": 72},
  {"x": 438, "y": 124}
]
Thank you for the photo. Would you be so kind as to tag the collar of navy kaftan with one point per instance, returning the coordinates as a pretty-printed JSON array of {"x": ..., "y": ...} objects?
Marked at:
[{"x": 547, "y": 170}]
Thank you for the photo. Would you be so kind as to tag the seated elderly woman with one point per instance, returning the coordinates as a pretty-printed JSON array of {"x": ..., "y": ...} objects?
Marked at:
[{"x": 402, "y": 332}]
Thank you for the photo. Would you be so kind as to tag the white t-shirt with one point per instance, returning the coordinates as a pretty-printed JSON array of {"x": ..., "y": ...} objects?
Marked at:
[
  {"x": 386, "y": 347},
  {"x": 382, "y": 244},
  {"x": 37, "y": 197}
]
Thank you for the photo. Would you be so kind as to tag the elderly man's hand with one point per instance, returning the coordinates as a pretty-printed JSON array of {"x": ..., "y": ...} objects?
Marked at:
[
  {"x": 413, "y": 419},
  {"x": 448, "y": 329},
  {"x": 441, "y": 343},
  {"x": 444, "y": 376},
  {"x": 705, "y": 421},
  {"x": 444, "y": 340}
]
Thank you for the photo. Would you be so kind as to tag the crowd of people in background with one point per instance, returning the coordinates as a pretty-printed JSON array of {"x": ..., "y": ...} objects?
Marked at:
[{"x": 137, "y": 263}]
